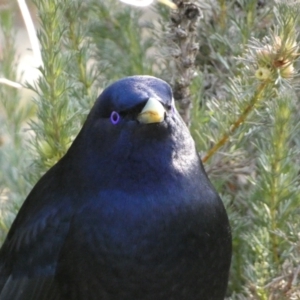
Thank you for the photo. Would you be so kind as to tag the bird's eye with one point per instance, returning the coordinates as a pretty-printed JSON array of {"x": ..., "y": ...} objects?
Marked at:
[{"x": 114, "y": 118}]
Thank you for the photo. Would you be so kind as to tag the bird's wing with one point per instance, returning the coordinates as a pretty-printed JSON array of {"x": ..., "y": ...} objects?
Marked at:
[
  {"x": 42, "y": 288},
  {"x": 28, "y": 257}
]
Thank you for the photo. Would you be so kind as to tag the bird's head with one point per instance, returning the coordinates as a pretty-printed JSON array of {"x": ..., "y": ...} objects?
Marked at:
[
  {"x": 138, "y": 99},
  {"x": 134, "y": 119}
]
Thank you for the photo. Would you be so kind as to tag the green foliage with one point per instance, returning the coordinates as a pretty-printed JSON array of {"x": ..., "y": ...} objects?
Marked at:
[
  {"x": 248, "y": 123},
  {"x": 245, "y": 117},
  {"x": 122, "y": 39},
  {"x": 55, "y": 125},
  {"x": 14, "y": 155}
]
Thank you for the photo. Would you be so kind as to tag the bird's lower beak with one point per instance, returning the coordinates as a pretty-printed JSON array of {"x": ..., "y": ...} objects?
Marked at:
[{"x": 153, "y": 112}]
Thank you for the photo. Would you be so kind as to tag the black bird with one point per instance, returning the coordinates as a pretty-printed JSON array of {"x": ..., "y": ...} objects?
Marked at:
[{"x": 127, "y": 214}]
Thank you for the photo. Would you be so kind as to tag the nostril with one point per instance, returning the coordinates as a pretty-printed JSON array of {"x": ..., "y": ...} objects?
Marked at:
[{"x": 172, "y": 108}]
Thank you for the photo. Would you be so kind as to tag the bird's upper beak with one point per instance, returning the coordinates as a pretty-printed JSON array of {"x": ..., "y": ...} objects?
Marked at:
[{"x": 153, "y": 112}]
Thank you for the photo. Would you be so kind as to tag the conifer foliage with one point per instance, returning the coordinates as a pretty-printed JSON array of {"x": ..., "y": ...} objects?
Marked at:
[{"x": 233, "y": 66}]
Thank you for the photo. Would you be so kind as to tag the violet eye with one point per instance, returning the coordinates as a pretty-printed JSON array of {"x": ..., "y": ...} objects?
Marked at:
[{"x": 114, "y": 117}]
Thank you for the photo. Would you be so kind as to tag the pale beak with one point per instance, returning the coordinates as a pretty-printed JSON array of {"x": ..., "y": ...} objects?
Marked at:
[{"x": 153, "y": 112}]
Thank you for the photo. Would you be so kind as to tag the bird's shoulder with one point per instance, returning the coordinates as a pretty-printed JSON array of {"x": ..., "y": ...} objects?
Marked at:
[{"x": 33, "y": 243}]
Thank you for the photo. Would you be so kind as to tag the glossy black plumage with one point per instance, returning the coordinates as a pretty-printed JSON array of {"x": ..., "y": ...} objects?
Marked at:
[{"x": 127, "y": 213}]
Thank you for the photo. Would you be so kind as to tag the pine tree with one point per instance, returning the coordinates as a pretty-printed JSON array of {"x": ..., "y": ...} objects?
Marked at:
[{"x": 233, "y": 67}]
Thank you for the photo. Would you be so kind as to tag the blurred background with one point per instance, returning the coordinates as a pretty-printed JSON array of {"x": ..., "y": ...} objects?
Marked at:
[{"x": 233, "y": 66}]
